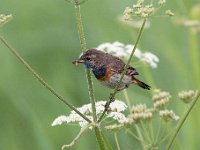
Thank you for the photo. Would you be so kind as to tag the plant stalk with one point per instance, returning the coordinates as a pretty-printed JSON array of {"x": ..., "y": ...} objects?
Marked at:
[
  {"x": 41, "y": 80},
  {"x": 83, "y": 49},
  {"x": 88, "y": 75},
  {"x": 112, "y": 96},
  {"x": 182, "y": 120}
]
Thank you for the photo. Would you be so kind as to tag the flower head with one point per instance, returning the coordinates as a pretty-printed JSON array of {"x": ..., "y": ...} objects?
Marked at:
[
  {"x": 116, "y": 108},
  {"x": 168, "y": 115},
  {"x": 123, "y": 51},
  {"x": 161, "y": 2},
  {"x": 187, "y": 96},
  {"x": 169, "y": 13},
  {"x": 143, "y": 10},
  {"x": 4, "y": 19},
  {"x": 150, "y": 59},
  {"x": 160, "y": 98},
  {"x": 141, "y": 111}
]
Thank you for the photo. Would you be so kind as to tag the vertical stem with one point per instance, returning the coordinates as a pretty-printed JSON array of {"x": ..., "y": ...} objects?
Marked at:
[
  {"x": 137, "y": 128},
  {"x": 182, "y": 120},
  {"x": 127, "y": 100},
  {"x": 116, "y": 140},
  {"x": 88, "y": 75},
  {"x": 98, "y": 134},
  {"x": 84, "y": 48}
]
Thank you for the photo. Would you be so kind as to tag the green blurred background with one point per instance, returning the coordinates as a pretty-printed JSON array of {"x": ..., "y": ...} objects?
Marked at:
[{"x": 45, "y": 34}]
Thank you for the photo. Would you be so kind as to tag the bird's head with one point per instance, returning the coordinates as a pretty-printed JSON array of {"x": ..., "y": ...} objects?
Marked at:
[{"x": 90, "y": 58}]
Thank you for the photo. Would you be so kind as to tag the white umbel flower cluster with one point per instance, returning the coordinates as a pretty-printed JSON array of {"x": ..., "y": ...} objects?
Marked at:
[
  {"x": 4, "y": 19},
  {"x": 141, "y": 111},
  {"x": 116, "y": 109},
  {"x": 187, "y": 96},
  {"x": 168, "y": 115},
  {"x": 160, "y": 98},
  {"x": 123, "y": 51}
]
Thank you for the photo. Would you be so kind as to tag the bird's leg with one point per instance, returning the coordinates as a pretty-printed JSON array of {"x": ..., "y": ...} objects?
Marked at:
[{"x": 111, "y": 99}]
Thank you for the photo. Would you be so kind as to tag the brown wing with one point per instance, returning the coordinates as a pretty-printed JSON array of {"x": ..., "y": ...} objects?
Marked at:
[
  {"x": 115, "y": 63},
  {"x": 118, "y": 65}
]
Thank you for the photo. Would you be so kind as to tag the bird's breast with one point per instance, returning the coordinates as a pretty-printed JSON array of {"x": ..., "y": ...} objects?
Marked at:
[
  {"x": 103, "y": 74},
  {"x": 112, "y": 82}
]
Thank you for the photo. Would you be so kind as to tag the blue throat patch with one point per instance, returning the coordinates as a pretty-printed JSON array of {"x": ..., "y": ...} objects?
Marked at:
[
  {"x": 87, "y": 64},
  {"x": 98, "y": 72},
  {"x": 101, "y": 72}
]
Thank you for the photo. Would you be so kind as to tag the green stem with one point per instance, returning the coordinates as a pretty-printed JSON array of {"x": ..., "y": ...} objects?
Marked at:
[
  {"x": 77, "y": 137},
  {"x": 182, "y": 120},
  {"x": 158, "y": 131},
  {"x": 84, "y": 48},
  {"x": 109, "y": 147},
  {"x": 116, "y": 140},
  {"x": 124, "y": 71},
  {"x": 98, "y": 134},
  {"x": 146, "y": 132},
  {"x": 88, "y": 74},
  {"x": 41, "y": 80},
  {"x": 135, "y": 136},
  {"x": 151, "y": 131},
  {"x": 137, "y": 128},
  {"x": 127, "y": 100}
]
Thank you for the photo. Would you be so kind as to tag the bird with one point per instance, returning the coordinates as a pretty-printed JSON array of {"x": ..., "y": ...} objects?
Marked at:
[{"x": 108, "y": 69}]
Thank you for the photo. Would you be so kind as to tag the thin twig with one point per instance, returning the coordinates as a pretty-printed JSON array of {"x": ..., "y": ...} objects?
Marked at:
[
  {"x": 112, "y": 95},
  {"x": 116, "y": 140},
  {"x": 181, "y": 122},
  {"x": 41, "y": 80},
  {"x": 76, "y": 138}
]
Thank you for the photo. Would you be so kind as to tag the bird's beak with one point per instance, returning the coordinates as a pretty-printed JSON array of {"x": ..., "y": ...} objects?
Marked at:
[{"x": 78, "y": 61}]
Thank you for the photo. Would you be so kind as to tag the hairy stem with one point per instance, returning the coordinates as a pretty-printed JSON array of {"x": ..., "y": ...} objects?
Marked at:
[
  {"x": 99, "y": 137},
  {"x": 112, "y": 96},
  {"x": 41, "y": 80},
  {"x": 182, "y": 120},
  {"x": 84, "y": 48},
  {"x": 88, "y": 74}
]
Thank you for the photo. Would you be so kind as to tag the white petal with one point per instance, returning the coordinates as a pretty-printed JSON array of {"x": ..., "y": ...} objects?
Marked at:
[{"x": 59, "y": 120}]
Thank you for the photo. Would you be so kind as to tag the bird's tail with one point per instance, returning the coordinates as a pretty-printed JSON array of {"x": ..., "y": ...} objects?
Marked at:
[{"x": 141, "y": 84}]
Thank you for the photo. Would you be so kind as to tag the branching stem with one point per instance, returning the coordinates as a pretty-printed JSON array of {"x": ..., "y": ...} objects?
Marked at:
[{"x": 112, "y": 95}]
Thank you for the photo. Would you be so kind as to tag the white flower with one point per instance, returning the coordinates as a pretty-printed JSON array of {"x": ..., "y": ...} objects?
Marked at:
[
  {"x": 116, "y": 108},
  {"x": 137, "y": 53},
  {"x": 124, "y": 51},
  {"x": 187, "y": 96},
  {"x": 118, "y": 116},
  {"x": 160, "y": 98},
  {"x": 59, "y": 120},
  {"x": 4, "y": 19},
  {"x": 161, "y": 2},
  {"x": 150, "y": 59},
  {"x": 168, "y": 115},
  {"x": 169, "y": 13},
  {"x": 139, "y": 108}
]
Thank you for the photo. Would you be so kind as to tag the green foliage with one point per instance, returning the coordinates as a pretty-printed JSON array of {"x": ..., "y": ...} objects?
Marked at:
[{"x": 45, "y": 34}]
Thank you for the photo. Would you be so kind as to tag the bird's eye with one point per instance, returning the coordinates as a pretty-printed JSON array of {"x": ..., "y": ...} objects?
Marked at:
[{"x": 88, "y": 58}]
